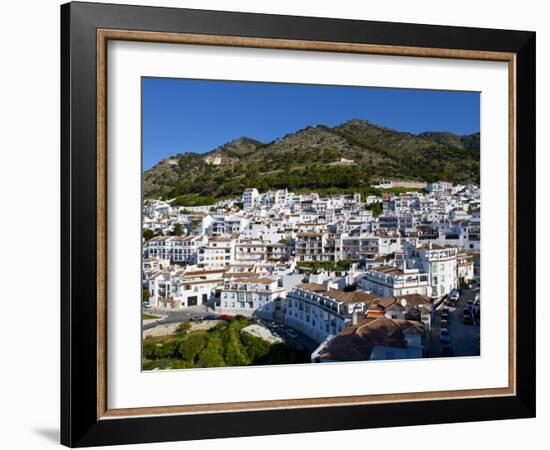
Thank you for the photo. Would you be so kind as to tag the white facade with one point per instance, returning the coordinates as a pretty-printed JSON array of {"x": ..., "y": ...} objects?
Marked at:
[
  {"x": 439, "y": 262},
  {"x": 318, "y": 312},
  {"x": 396, "y": 253},
  {"x": 250, "y": 198},
  {"x": 389, "y": 281},
  {"x": 251, "y": 296},
  {"x": 219, "y": 252},
  {"x": 178, "y": 289},
  {"x": 185, "y": 249}
]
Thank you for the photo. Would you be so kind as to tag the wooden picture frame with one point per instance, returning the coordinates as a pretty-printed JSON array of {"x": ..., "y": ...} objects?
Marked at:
[{"x": 86, "y": 418}]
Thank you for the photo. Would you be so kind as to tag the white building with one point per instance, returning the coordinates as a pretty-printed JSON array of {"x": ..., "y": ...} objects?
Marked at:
[
  {"x": 390, "y": 281},
  {"x": 309, "y": 246},
  {"x": 258, "y": 296},
  {"x": 185, "y": 249},
  {"x": 318, "y": 312},
  {"x": 218, "y": 252},
  {"x": 249, "y": 251},
  {"x": 250, "y": 198},
  {"x": 464, "y": 267},
  {"x": 439, "y": 262},
  {"x": 159, "y": 247},
  {"x": 182, "y": 289}
]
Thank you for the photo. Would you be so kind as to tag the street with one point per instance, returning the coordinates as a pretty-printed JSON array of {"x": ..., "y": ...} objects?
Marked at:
[
  {"x": 176, "y": 315},
  {"x": 464, "y": 338}
]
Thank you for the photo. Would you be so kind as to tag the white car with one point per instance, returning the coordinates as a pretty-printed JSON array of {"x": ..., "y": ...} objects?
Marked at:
[{"x": 455, "y": 295}]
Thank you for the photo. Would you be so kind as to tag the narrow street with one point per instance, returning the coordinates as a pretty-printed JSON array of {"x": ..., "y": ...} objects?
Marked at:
[{"x": 465, "y": 339}]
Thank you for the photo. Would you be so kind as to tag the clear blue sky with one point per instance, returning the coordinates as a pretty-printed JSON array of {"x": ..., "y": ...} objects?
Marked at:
[{"x": 198, "y": 115}]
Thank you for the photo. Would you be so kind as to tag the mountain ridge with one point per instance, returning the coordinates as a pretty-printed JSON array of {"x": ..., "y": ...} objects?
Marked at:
[{"x": 310, "y": 158}]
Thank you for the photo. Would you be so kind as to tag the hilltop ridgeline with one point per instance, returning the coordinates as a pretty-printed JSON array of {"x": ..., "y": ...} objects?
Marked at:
[{"x": 344, "y": 158}]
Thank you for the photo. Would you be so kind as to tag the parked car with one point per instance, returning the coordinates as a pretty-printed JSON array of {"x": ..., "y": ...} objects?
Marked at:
[
  {"x": 195, "y": 318},
  {"x": 470, "y": 305},
  {"x": 225, "y": 317},
  {"x": 445, "y": 315},
  {"x": 444, "y": 336},
  {"x": 147, "y": 305},
  {"x": 445, "y": 324},
  {"x": 477, "y": 308},
  {"x": 451, "y": 302},
  {"x": 292, "y": 333},
  {"x": 211, "y": 317},
  {"x": 468, "y": 319},
  {"x": 240, "y": 317},
  {"x": 455, "y": 295}
]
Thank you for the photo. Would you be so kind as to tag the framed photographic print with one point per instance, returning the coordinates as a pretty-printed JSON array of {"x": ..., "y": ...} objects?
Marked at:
[{"x": 277, "y": 224}]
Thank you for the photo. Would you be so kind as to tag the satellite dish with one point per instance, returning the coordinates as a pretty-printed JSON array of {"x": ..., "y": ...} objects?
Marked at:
[{"x": 403, "y": 302}]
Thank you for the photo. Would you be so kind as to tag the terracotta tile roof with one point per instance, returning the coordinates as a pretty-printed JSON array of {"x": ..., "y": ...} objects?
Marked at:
[
  {"x": 350, "y": 297},
  {"x": 434, "y": 247},
  {"x": 313, "y": 287},
  {"x": 338, "y": 295},
  {"x": 204, "y": 272},
  {"x": 256, "y": 280},
  {"x": 388, "y": 303},
  {"x": 355, "y": 343},
  {"x": 390, "y": 270}
]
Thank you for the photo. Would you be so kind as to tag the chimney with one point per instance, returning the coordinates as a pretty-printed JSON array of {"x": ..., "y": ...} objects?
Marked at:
[{"x": 354, "y": 318}]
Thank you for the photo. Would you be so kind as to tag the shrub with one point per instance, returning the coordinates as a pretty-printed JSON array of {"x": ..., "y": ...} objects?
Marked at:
[
  {"x": 191, "y": 346},
  {"x": 234, "y": 352},
  {"x": 255, "y": 347},
  {"x": 183, "y": 328},
  {"x": 211, "y": 356}
]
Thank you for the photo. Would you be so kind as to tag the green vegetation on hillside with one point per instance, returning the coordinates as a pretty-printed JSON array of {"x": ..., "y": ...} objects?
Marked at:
[
  {"x": 314, "y": 266},
  {"x": 222, "y": 346},
  {"x": 311, "y": 159},
  {"x": 193, "y": 200}
]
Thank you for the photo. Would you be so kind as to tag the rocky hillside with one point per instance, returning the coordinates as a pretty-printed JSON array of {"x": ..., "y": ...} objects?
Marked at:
[{"x": 347, "y": 157}]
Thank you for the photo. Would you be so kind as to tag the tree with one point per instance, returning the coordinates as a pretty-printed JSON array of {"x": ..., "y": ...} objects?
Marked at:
[
  {"x": 178, "y": 230},
  {"x": 234, "y": 354},
  {"x": 148, "y": 234},
  {"x": 210, "y": 356},
  {"x": 146, "y": 295},
  {"x": 191, "y": 346},
  {"x": 256, "y": 348},
  {"x": 376, "y": 209}
]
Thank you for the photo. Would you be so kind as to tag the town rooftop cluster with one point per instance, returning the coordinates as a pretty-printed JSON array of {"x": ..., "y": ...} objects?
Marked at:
[{"x": 361, "y": 285}]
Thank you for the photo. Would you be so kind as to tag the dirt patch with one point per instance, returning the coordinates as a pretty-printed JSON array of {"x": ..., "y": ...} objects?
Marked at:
[{"x": 170, "y": 328}]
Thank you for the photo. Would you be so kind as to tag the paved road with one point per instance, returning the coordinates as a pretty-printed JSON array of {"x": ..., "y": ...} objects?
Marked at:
[
  {"x": 176, "y": 315},
  {"x": 464, "y": 338},
  {"x": 300, "y": 342}
]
